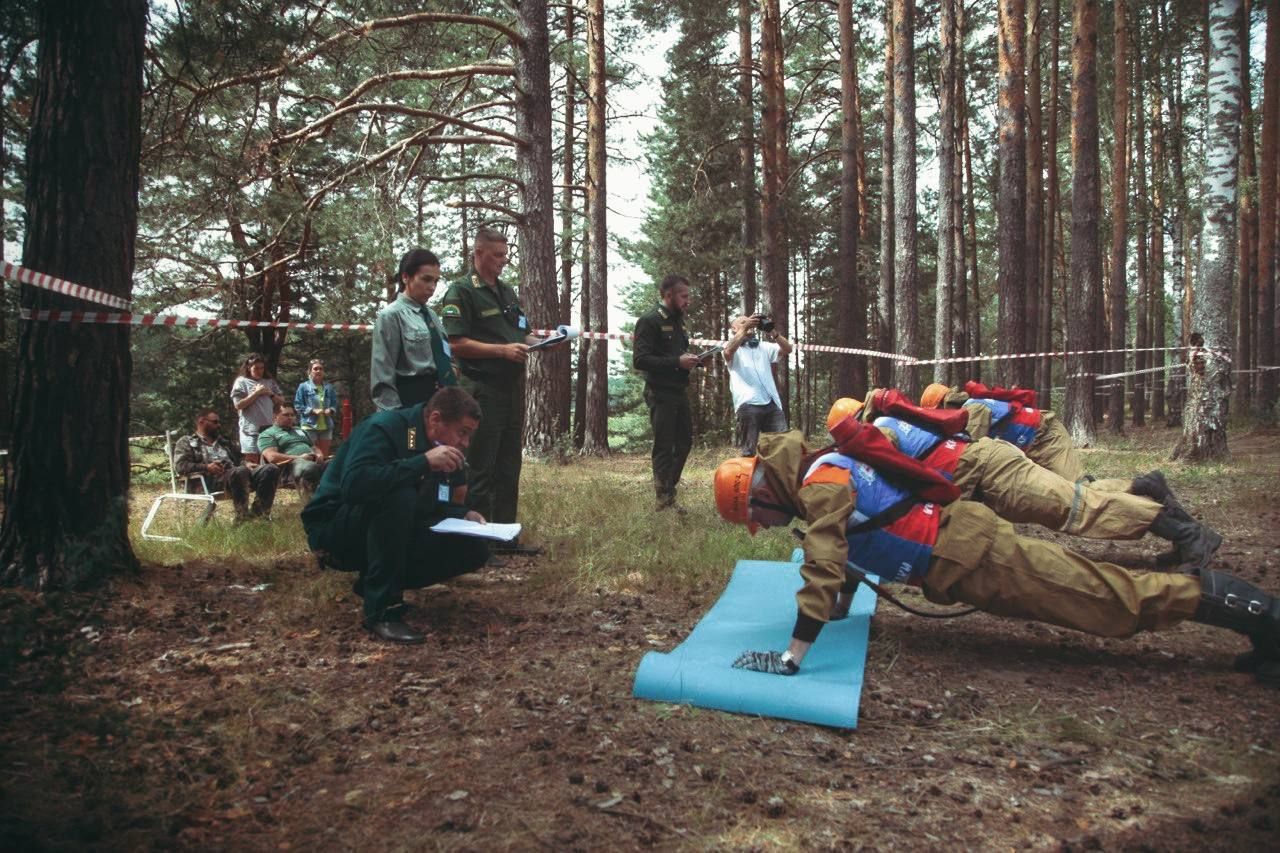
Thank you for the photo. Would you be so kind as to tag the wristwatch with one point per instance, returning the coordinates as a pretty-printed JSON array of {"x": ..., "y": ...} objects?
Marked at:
[{"x": 789, "y": 662}]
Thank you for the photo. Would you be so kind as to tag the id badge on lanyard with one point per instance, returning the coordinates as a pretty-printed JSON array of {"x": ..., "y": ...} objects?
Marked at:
[{"x": 443, "y": 492}]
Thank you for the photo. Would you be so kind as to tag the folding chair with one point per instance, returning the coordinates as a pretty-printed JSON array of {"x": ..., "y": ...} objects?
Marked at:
[{"x": 196, "y": 488}]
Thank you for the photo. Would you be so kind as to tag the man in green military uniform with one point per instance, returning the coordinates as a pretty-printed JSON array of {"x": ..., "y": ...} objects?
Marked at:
[
  {"x": 284, "y": 444},
  {"x": 399, "y": 473},
  {"x": 659, "y": 353},
  {"x": 489, "y": 335}
]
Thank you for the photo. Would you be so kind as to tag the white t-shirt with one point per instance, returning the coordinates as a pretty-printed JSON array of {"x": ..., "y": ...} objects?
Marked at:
[{"x": 751, "y": 375}]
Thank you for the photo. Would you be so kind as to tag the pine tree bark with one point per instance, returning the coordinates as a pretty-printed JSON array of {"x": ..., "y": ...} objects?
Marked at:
[
  {"x": 905, "y": 269},
  {"x": 883, "y": 368},
  {"x": 1119, "y": 215},
  {"x": 1085, "y": 284},
  {"x": 548, "y": 370},
  {"x": 773, "y": 266},
  {"x": 1142, "y": 323},
  {"x": 960, "y": 297},
  {"x": 66, "y": 492},
  {"x": 1156, "y": 297},
  {"x": 747, "y": 159},
  {"x": 1035, "y": 191},
  {"x": 945, "y": 290},
  {"x": 596, "y": 440},
  {"x": 851, "y": 314},
  {"x": 568, "y": 159},
  {"x": 1012, "y": 204},
  {"x": 1268, "y": 223},
  {"x": 1204, "y": 431},
  {"x": 1044, "y": 340}
]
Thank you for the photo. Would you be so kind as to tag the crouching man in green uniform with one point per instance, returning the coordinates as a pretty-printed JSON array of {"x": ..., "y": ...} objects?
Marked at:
[
  {"x": 399, "y": 473},
  {"x": 861, "y": 520}
]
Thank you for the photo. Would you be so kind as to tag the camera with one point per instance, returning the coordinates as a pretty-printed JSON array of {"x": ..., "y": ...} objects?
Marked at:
[{"x": 766, "y": 322}]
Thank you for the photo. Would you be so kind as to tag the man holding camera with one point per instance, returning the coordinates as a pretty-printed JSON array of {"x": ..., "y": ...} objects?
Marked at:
[{"x": 755, "y": 394}]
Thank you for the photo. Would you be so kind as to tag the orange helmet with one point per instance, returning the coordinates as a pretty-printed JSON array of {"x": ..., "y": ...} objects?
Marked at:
[
  {"x": 841, "y": 409},
  {"x": 934, "y": 395},
  {"x": 733, "y": 491}
]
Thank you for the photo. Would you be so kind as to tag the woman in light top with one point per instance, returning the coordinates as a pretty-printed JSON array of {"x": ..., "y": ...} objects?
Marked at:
[
  {"x": 317, "y": 404},
  {"x": 254, "y": 394}
]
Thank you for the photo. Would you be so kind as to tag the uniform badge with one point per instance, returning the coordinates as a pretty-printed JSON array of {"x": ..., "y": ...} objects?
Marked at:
[
  {"x": 412, "y": 438},
  {"x": 450, "y": 309}
]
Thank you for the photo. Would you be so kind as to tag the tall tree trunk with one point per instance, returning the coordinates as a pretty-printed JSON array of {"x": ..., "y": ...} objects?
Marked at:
[
  {"x": 1119, "y": 215},
  {"x": 596, "y": 440},
  {"x": 66, "y": 490},
  {"x": 1181, "y": 249},
  {"x": 975, "y": 299},
  {"x": 747, "y": 159},
  {"x": 851, "y": 314},
  {"x": 960, "y": 296},
  {"x": 1035, "y": 191},
  {"x": 548, "y": 371},
  {"x": 1156, "y": 306},
  {"x": 1012, "y": 205},
  {"x": 773, "y": 261},
  {"x": 567, "y": 206},
  {"x": 1247, "y": 242},
  {"x": 883, "y": 368},
  {"x": 905, "y": 269},
  {"x": 1044, "y": 343},
  {"x": 945, "y": 290},
  {"x": 1204, "y": 430},
  {"x": 1142, "y": 321},
  {"x": 1268, "y": 222},
  {"x": 1086, "y": 200}
]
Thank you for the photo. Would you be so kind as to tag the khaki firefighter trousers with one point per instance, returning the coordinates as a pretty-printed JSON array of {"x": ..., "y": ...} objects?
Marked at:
[
  {"x": 981, "y": 561},
  {"x": 1018, "y": 490}
]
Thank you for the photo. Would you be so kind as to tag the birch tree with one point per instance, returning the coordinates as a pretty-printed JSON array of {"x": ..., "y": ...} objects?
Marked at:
[{"x": 1204, "y": 432}]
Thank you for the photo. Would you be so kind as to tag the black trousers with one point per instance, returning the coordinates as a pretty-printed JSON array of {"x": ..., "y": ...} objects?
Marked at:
[
  {"x": 390, "y": 544},
  {"x": 416, "y": 389},
  {"x": 672, "y": 422}
]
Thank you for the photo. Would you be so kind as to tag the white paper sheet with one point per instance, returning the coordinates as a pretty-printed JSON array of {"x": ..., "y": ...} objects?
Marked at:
[{"x": 462, "y": 527}]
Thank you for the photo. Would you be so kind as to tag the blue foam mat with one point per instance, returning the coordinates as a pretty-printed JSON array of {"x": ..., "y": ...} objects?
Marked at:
[{"x": 757, "y": 612}]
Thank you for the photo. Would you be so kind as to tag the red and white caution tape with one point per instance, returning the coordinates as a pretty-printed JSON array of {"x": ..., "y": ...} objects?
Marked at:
[
  {"x": 14, "y": 272},
  {"x": 187, "y": 322}
]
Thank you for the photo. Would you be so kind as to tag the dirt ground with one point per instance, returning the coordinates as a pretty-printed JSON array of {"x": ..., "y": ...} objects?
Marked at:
[{"x": 211, "y": 707}]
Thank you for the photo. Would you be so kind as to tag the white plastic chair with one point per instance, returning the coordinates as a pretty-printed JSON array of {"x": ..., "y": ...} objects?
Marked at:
[{"x": 204, "y": 496}]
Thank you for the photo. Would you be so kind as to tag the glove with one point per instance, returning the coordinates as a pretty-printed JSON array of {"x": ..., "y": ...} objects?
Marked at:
[{"x": 770, "y": 662}]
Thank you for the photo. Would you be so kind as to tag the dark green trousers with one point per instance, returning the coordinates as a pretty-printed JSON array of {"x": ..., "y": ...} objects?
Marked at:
[
  {"x": 497, "y": 449},
  {"x": 672, "y": 422},
  {"x": 392, "y": 547}
]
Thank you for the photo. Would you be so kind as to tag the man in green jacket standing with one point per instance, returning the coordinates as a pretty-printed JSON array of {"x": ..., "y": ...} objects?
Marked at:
[
  {"x": 489, "y": 335},
  {"x": 660, "y": 344},
  {"x": 399, "y": 473}
]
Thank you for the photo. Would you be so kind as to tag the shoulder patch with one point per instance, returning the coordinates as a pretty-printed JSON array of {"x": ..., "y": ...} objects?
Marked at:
[
  {"x": 828, "y": 474},
  {"x": 450, "y": 309}
]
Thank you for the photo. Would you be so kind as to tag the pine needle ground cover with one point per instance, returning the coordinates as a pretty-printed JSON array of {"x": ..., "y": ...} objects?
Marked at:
[{"x": 227, "y": 699}]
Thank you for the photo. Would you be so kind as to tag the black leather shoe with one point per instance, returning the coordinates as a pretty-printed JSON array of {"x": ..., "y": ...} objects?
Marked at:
[{"x": 395, "y": 632}]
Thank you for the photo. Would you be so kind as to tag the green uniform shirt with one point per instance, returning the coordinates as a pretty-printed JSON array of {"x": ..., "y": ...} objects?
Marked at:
[
  {"x": 384, "y": 452},
  {"x": 293, "y": 441},
  {"x": 660, "y": 340},
  {"x": 490, "y": 315},
  {"x": 403, "y": 347}
]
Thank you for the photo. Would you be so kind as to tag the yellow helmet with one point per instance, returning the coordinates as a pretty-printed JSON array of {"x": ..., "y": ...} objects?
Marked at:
[
  {"x": 733, "y": 491},
  {"x": 934, "y": 395},
  {"x": 841, "y": 409}
]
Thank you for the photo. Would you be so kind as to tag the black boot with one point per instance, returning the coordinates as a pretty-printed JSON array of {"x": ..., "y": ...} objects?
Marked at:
[
  {"x": 1152, "y": 485},
  {"x": 1194, "y": 543},
  {"x": 1229, "y": 602}
]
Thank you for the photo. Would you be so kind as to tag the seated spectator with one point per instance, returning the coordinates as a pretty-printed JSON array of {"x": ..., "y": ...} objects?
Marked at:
[
  {"x": 284, "y": 444},
  {"x": 254, "y": 393},
  {"x": 205, "y": 454},
  {"x": 400, "y": 472},
  {"x": 317, "y": 405}
]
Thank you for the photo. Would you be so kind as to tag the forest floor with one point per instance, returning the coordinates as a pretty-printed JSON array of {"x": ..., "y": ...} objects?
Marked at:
[{"x": 233, "y": 702}]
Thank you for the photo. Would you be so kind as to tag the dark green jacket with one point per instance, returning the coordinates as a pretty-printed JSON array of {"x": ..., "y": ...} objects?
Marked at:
[
  {"x": 385, "y": 452},
  {"x": 660, "y": 340},
  {"x": 490, "y": 315}
]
